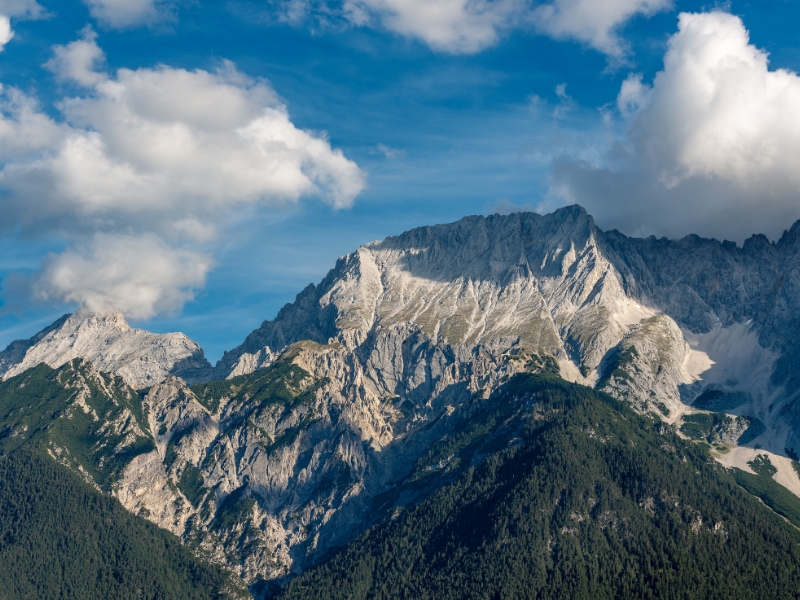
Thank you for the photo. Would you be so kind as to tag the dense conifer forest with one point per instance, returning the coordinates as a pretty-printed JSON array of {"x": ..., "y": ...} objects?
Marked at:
[
  {"x": 62, "y": 538},
  {"x": 593, "y": 502}
]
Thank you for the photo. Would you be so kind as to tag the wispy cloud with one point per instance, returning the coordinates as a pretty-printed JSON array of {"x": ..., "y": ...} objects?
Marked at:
[
  {"x": 457, "y": 26},
  {"x": 566, "y": 103},
  {"x": 387, "y": 152},
  {"x": 122, "y": 14}
]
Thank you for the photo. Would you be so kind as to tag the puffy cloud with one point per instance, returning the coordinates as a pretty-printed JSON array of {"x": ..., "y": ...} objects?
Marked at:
[
  {"x": 6, "y": 34},
  {"x": 469, "y": 26},
  {"x": 170, "y": 144},
  {"x": 138, "y": 275},
  {"x": 121, "y": 14},
  {"x": 163, "y": 153},
  {"x": 712, "y": 146},
  {"x": 458, "y": 26},
  {"x": 78, "y": 61},
  {"x": 25, "y": 131},
  {"x": 717, "y": 110},
  {"x": 594, "y": 22},
  {"x": 633, "y": 95}
]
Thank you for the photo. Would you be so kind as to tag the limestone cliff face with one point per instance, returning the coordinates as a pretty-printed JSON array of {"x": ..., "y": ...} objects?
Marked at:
[
  {"x": 539, "y": 283},
  {"x": 290, "y": 461},
  {"x": 141, "y": 358},
  {"x": 647, "y": 368},
  {"x": 694, "y": 311},
  {"x": 738, "y": 309}
]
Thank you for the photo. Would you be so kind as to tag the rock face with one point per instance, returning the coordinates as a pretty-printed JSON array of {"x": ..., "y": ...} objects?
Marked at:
[
  {"x": 524, "y": 280},
  {"x": 141, "y": 358},
  {"x": 697, "y": 312},
  {"x": 404, "y": 338},
  {"x": 268, "y": 471}
]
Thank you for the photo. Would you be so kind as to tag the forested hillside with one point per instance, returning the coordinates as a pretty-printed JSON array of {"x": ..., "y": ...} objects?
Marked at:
[
  {"x": 593, "y": 501},
  {"x": 60, "y": 537},
  {"x": 546, "y": 489}
]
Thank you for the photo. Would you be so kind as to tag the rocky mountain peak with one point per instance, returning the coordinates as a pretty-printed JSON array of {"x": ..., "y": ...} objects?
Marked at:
[
  {"x": 406, "y": 341},
  {"x": 497, "y": 281},
  {"x": 106, "y": 339},
  {"x": 791, "y": 236},
  {"x": 86, "y": 319},
  {"x": 558, "y": 285}
]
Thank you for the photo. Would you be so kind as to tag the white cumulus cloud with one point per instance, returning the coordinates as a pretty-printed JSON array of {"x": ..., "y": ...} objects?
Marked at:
[
  {"x": 162, "y": 155},
  {"x": 25, "y": 131},
  {"x": 79, "y": 61},
  {"x": 6, "y": 34},
  {"x": 593, "y": 22},
  {"x": 469, "y": 26},
  {"x": 139, "y": 275},
  {"x": 712, "y": 145}
]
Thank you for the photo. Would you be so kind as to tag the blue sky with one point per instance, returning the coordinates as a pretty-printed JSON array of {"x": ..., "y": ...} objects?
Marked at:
[{"x": 385, "y": 120}]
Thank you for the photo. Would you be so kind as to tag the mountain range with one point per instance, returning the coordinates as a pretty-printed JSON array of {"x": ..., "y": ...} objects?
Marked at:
[{"x": 333, "y": 419}]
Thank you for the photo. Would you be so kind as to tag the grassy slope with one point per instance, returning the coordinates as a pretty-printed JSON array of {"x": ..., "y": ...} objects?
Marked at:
[{"x": 36, "y": 409}]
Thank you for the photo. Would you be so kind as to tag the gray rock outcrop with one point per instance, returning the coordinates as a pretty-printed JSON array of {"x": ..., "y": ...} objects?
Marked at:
[{"x": 141, "y": 358}]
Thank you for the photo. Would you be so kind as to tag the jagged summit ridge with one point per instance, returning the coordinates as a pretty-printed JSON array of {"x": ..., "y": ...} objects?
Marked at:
[
  {"x": 525, "y": 279},
  {"x": 557, "y": 284},
  {"x": 141, "y": 358}
]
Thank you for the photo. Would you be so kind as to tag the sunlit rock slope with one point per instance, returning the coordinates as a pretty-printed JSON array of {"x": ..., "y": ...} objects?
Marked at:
[
  {"x": 141, "y": 358},
  {"x": 688, "y": 317}
]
